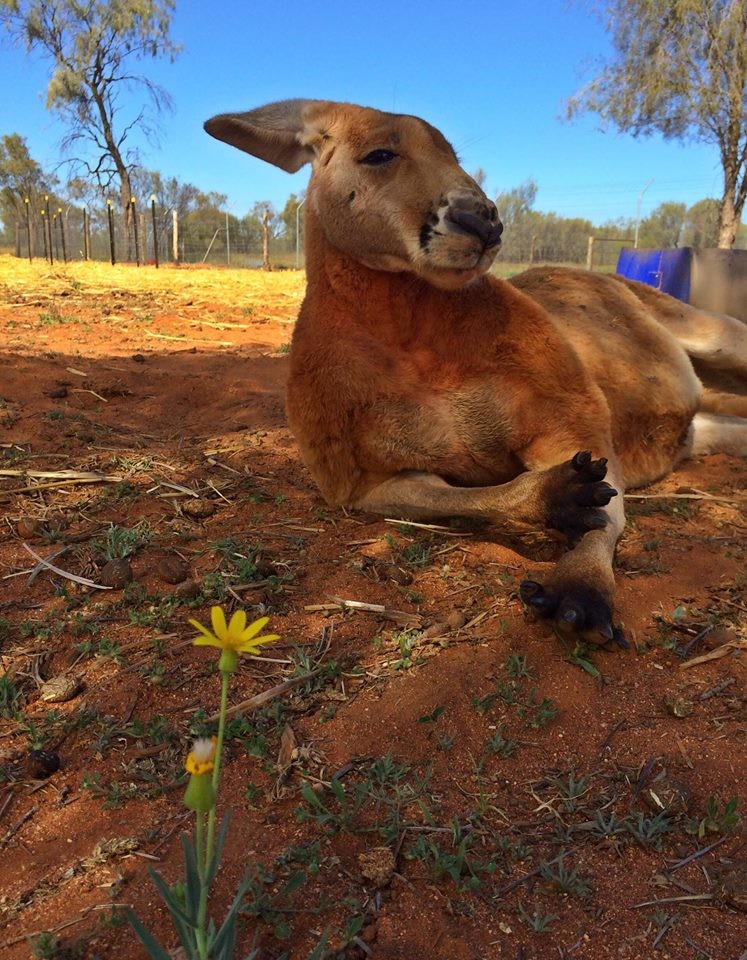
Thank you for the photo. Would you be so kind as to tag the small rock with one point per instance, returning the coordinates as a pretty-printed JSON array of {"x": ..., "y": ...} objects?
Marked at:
[
  {"x": 730, "y": 884},
  {"x": 717, "y": 638},
  {"x": 187, "y": 590},
  {"x": 198, "y": 509},
  {"x": 116, "y": 573},
  {"x": 435, "y": 630},
  {"x": 61, "y": 688},
  {"x": 667, "y": 796},
  {"x": 138, "y": 358},
  {"x": 27, "y": 527},
  {"x": 678, "y": 705},
  {"x": 391, "y": 571},
  {"x": 266, "y": 568},
  {"x": 377, "y": 865},
  {"x": 456, "y": 619},
  {"x": 58, "y": 393},
  {"x": 173, "y": 569},
  {"x": 41, "y": 764}
]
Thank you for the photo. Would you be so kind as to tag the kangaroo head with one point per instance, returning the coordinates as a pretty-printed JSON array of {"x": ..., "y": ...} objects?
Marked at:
[{"x": 386, "y": 188}]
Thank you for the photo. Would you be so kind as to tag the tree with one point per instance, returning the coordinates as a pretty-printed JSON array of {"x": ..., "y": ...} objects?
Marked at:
[
  {"x": 679, "y": 68},
  {"x": 21, "y": 179},
  {"x": 663, "y": 227},
  {"x": 291, "y": 215},
  {"x": 701, "y": 225},
  {"x": 93, "y": 45},
  {"x": 270, "y": 224},
  {"x": 515, "y": 203}
]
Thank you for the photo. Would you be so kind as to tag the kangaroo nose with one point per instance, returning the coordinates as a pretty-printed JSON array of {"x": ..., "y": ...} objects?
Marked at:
[{"x": 480, "y": 220}]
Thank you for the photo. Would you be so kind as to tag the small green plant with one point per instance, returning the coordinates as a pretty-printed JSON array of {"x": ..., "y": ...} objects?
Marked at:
[
  {"x": 516, "y": 666},
  {"x": 501, "y": 745},
  {"x": 649, "y": 831},
  {"x": 10, "y": 697},
  {"x": 123, "y": 542},
  {"x": 45, "y": 946},
  {"x": 715, "y": 819},
  {"x": 405, "y": 641},
  {"x": 537, "y": 921},
  {"x": 433, "y": 716},
  {"x": 188, "y": 902},
  {"x": 571, "y": 790},
  {"x": 581, "y": 656},
  {"x": 560, "y": 878},
  {"x": 535, "y": 713},
  {"x": 416, "y": 555}
]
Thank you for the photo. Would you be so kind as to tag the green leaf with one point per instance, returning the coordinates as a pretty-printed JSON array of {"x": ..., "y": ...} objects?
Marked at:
[
  {"x": 321, "y": 948},
  {"x": 223, "y": 944},
  {"x": 218, "y": 849},
  {"x": 154, "y": 948},
  {"x": 174, "y": 907},
  {"x": 432, "y": 716},
  {"x": 193, "y": 885}
]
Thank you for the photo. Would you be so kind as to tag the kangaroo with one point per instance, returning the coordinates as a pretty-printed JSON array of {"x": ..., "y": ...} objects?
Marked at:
[{"x": 423, "y": 386}]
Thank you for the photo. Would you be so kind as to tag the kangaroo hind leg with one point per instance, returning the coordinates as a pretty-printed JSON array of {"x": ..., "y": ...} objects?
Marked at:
[{"x": 710, "y": 433}]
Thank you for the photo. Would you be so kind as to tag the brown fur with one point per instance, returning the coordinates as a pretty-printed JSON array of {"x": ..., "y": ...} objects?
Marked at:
[{"x": 422, "y": 385}]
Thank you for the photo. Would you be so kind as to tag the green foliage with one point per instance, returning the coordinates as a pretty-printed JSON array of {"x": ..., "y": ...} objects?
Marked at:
[
  {"x": 537, "y": 921},
  {"x": 93, "y": 52},
  {"x": 682, "y": 73},
  {"x": 22, "y": 178},
  {"x": 716, "y": 820},
  {"x": 10, "y": 696},
  {"x": 649, "y": 831},
  {"x": 561, "y": 878},
  {"x": 373, "y": 803}
]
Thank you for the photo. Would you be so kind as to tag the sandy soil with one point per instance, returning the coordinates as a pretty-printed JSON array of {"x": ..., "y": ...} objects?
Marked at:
[{"x": 536, "y": 802}]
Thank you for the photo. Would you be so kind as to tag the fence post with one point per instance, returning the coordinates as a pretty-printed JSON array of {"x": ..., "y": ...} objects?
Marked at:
[
  {"x": 86, "y": 234},
  {"x": 155, "y": 231},
  {"x": 28, "y": 224},
  {"x": 134, "y": 227},
  {"x": 62, "y": 234},
  {"x": 174, "y": 236},
  {"x": 111, "y": 231},
  {"x": 590, "y": 254},
  {"x": 228, "y": 242},
  {"x": 49, "y": 230}
]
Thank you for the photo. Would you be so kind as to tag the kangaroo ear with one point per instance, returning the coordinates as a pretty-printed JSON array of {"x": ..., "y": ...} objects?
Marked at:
[{"x": 277, "y": 133}]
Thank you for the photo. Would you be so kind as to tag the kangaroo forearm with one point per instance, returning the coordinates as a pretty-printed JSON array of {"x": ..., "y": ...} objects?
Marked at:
[{"x": 421, "y": 496}]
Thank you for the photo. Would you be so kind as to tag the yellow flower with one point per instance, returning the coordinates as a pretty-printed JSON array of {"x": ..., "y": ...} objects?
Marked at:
[
  {"x": 200, "y": 792},
  {"x": 200, "y": 758},
  {"x": 234, "y": 637}
]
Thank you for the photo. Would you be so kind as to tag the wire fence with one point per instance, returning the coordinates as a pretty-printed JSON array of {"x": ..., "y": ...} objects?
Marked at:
[
  {"x": 151, "y": 237},
  {"x": 156, "y": 236}
]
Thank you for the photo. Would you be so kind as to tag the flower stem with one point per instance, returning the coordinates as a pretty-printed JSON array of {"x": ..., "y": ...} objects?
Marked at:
[
  {"x": 225, "y": 679},
  {"x": 200, "y": 853}
]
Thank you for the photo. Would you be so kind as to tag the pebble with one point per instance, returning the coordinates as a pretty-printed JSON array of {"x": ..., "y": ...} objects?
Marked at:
[
  {"x": 27, "y": 527},
  {"x": 377, "y": 865},
  {"x": 198, "y": 509},
  {"x": 116, "y": 573},
  {"x": 187, "y": 590},
  {"x": 61, "y": 688},
  {"x": 173, "y": 569}
]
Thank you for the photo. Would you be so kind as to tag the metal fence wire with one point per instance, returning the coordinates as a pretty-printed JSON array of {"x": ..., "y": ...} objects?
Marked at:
[{"x": 147, "y": 237}]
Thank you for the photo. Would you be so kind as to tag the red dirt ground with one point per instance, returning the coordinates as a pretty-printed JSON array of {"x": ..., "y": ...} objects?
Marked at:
[{"x": 170, "y": 385}]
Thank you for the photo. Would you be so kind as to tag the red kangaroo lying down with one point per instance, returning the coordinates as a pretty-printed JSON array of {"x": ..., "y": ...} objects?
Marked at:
[{"x": 424, "y": 387}]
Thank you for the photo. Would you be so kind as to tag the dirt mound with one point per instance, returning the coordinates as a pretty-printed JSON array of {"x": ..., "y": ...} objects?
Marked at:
[{"x": 534, "y": 801}]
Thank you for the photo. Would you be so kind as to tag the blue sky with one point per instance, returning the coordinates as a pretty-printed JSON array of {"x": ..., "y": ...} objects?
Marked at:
[{"x": 492, "y": 76}]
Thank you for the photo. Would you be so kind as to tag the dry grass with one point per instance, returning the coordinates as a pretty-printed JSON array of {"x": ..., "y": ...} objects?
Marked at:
[{"x": 21, "y": 281}]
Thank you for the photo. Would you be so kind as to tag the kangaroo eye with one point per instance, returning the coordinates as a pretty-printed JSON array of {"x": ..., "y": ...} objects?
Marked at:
[{"x": 376, "y": 158}]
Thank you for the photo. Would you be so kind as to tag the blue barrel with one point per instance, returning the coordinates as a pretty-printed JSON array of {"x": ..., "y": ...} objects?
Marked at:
[{"x": 667, "y": 270}]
